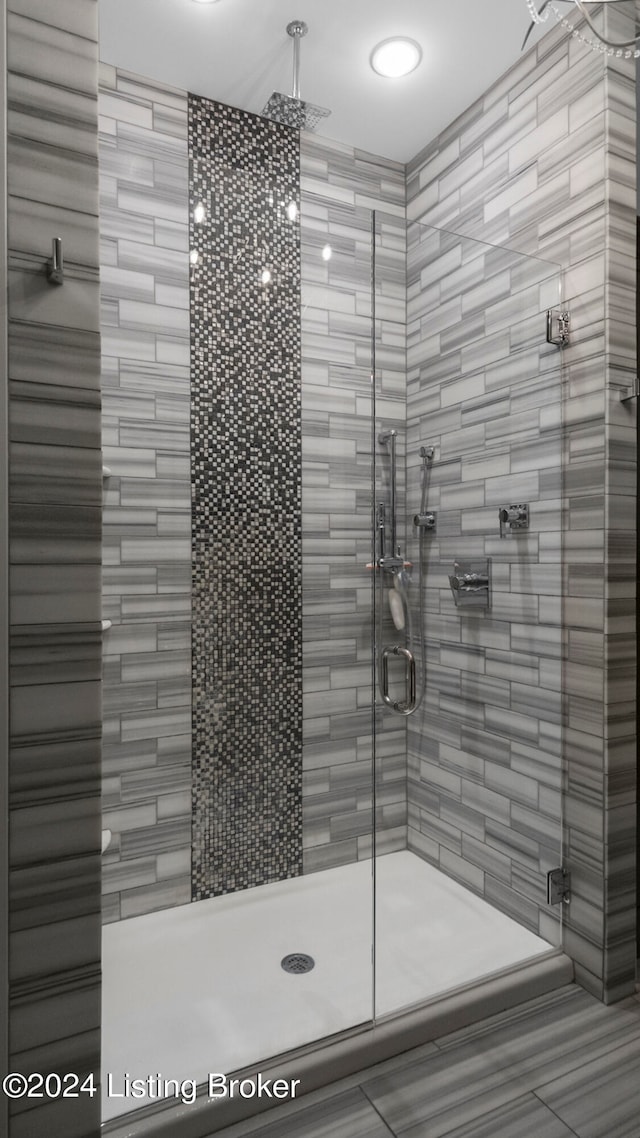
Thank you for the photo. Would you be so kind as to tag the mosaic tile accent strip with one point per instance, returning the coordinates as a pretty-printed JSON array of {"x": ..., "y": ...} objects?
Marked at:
[
  {"x": 146, "y": 577},
  {"x": 246, "y": 487}
]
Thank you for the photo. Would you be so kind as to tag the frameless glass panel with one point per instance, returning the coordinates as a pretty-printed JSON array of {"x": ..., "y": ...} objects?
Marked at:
[
  {"x": 239, "y": 729},
  {"x": 336, "y": 250},
  {"x": 468, "y": 611}
]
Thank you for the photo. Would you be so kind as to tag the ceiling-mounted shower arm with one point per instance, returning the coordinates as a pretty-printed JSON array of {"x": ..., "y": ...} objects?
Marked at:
[
  {"x": 296, "y": 29},
  {"x": 291, "y": 110}
]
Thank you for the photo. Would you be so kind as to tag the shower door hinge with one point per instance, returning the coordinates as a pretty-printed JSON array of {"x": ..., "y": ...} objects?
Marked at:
[
  {"x": 557, "y": 327},
  {"x": 558, "y": 886}
]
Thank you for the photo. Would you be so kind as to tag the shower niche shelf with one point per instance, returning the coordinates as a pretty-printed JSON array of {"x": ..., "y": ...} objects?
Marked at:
[{"x": 470, "y": 584}]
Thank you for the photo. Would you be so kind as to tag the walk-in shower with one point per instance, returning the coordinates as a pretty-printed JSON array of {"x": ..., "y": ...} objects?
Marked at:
[{"x": 312, "y": 747}]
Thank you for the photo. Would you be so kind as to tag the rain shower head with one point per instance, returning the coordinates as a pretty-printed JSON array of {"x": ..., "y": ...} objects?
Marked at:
[{"x": 291, "y": 110}]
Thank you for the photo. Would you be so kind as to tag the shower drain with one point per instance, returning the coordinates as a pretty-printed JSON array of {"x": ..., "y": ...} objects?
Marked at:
[{"x": 297, "y": 962}]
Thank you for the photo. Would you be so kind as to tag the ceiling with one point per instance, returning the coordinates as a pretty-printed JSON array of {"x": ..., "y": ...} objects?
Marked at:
[{"x": 238, "y": 52}]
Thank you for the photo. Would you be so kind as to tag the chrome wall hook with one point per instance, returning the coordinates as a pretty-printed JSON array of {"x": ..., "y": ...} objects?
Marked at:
[{"x": 55, "y": 265}]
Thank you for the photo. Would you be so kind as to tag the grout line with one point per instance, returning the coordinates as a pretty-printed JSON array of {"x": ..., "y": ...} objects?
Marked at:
[
  {"x": 570, "y": 1128},
  {"x": 375, "y": 1108}
]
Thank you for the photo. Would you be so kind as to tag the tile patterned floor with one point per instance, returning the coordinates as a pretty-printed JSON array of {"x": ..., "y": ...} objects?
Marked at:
[{"x": 561, "y": 1066}]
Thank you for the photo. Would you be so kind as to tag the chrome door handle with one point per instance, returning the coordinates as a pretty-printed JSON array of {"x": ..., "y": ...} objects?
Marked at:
[{"x": 410, "y": 676}]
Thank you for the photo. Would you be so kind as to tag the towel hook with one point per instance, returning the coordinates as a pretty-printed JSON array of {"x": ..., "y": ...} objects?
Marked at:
[
  {"x": 632, "y": 392},
  {"x": 55, "y": 265}
]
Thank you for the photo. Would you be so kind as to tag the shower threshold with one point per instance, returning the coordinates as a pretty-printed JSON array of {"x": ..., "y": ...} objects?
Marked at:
[{"x": 200, "y": 989}]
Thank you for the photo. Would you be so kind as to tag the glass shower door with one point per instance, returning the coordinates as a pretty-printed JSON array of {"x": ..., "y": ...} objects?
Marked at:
[
  {"x": 468, "y": 610},
  {"x": 337, "y": 787},
  {"x": 267, "y": 942}
]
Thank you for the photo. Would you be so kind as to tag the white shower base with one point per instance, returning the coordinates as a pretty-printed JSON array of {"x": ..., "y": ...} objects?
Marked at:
[{"x": 200, "y": 989}]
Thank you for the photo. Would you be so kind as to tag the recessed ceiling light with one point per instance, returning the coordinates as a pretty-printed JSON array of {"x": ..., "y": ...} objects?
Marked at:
[
  {"x": 205, "y": 1},
  {"x": 395, "y": 57}
]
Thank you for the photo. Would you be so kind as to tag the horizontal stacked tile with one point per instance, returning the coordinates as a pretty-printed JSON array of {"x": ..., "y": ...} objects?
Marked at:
[
  {"x": 620, "y": 818},
  {"x": 55, "y": 505},
  {"x": 484, "y": 750},
  {"x": 340, "y": 187},
  {"x": 543, "y": 163},
  {"x": 144, "y": 180},
  {"x": 4, "y": 596}
]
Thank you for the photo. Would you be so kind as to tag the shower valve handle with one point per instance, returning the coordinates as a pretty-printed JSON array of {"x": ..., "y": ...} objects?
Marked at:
[
  {"x": 516, "y": 517},
  {"x": 392, "y": 564},
  {"x": 424, "y": 521}
]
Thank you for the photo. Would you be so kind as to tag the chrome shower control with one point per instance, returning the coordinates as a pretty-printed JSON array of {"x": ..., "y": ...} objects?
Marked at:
[
  {"x": 470, "y": 584},
  {"x": 424, "y": 521},
  {"x": 391, "y": 564},
  {"x": 516, "y": 517}
]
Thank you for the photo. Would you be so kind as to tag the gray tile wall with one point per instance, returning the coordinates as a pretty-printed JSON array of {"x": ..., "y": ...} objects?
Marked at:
[
  {"x": 340, "y": 186},
  {"x": 144, "y": 245},
  {"x": 55, "y": 505},
  {"x": 4, "y": 598},
  {"x": 146, "y": 579},
  {"x": 54, "y": 767},
  {"x": 517, "y": 168},
  {"x": 545, "y": 163},
  {"x": 484, "y": 754}
]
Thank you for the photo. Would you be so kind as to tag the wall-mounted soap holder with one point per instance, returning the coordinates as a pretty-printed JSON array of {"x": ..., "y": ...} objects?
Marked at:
[{"x": 470, "y": 583}]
